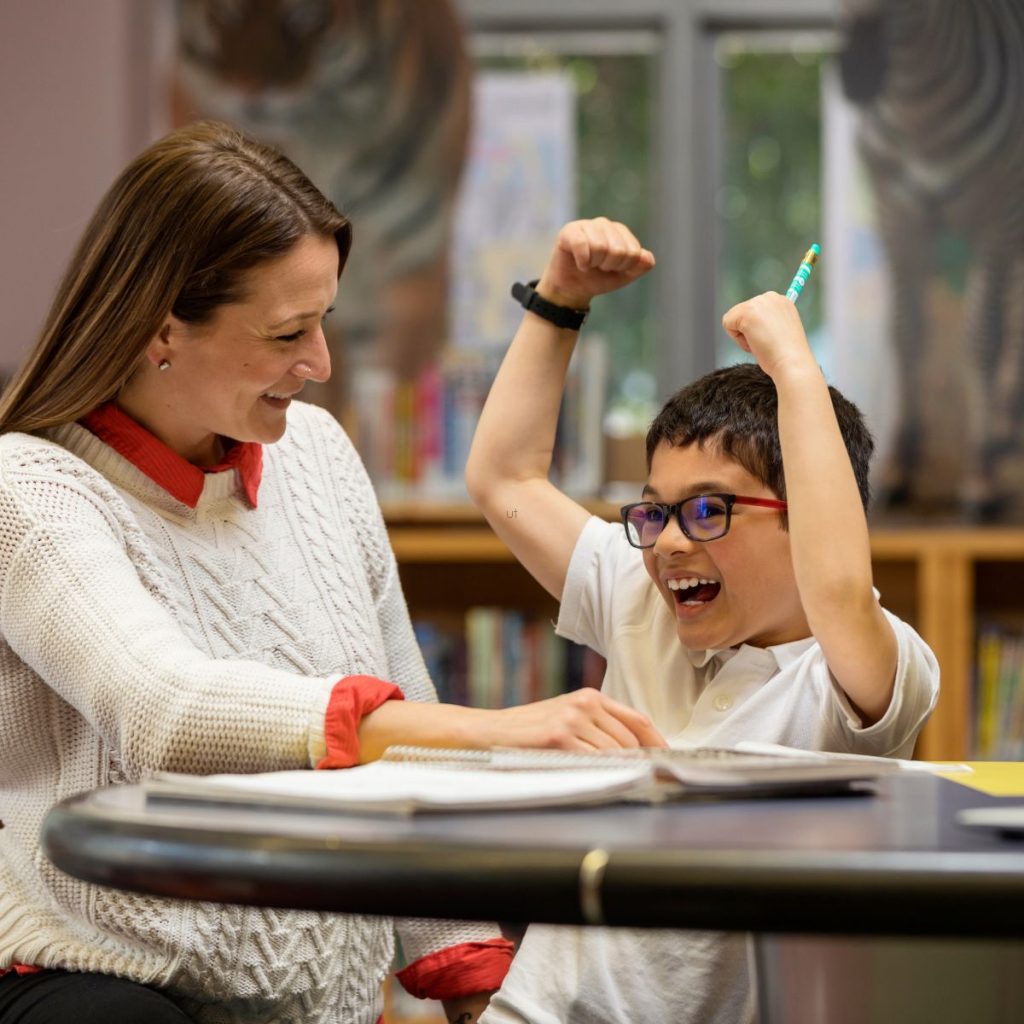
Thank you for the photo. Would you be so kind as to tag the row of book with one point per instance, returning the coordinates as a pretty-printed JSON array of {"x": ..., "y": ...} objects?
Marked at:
[
  {"x": 415, "y": 435},
  {"x": 499, "y": 658},
  {"x": 999, "y": 695}
]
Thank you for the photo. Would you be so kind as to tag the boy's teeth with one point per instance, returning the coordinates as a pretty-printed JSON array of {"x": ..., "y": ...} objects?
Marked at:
[{"x": 687, "y": 582}]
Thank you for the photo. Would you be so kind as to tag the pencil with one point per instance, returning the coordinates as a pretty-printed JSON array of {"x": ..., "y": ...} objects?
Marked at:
[{"x": 803, "y": 272}]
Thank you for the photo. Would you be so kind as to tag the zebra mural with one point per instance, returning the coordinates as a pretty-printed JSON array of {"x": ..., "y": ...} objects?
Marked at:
[{"x": 940, "y": 89}]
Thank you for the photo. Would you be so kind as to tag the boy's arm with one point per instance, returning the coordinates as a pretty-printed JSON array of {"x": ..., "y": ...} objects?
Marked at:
[
  {"x": 508, "y": 466},
  {"x": 828, "y": 528}
]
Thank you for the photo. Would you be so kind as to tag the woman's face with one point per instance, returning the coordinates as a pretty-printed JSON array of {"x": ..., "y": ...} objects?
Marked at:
[{"x": 235, "y": 376}]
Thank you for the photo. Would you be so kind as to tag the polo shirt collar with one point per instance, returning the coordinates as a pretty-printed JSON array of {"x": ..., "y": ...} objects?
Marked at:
[
  {"x": 164, "y": 466},
  {"x": 782, "y": 654}
]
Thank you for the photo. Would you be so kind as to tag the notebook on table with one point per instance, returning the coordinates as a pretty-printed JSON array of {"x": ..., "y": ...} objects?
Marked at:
[{"x": 421, "y": 779}]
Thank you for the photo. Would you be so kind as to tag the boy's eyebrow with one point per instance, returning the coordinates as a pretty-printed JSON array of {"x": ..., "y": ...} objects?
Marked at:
[{"x": 700, "y": 487}]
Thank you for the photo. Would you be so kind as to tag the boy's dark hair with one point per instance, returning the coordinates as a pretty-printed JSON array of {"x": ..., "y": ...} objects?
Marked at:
[{"x": 736, "y": 410}]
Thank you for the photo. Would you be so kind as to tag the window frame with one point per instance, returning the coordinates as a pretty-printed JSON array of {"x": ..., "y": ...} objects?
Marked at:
[{"x": 686, "y": 282}]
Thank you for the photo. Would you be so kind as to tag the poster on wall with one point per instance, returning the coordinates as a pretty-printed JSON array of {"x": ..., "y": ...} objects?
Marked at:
[{"x": 517, "y": 192}]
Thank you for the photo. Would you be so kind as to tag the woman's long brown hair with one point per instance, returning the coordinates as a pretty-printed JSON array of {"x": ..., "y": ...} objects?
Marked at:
[{"x": 176, "y": 233}]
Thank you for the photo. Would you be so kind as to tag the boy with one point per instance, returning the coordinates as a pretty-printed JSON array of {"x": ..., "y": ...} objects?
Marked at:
[{"x": 734, "y": 602}]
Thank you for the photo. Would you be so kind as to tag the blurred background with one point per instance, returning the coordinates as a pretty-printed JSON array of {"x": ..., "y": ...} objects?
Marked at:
[{"x": 460, "y": 134}]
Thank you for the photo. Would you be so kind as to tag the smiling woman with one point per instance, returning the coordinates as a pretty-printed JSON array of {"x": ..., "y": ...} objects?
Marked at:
[
  {"x": 195, "y": 577},
  {"x": 171, "y": 242},
  {"x": 235, "y": 376}
]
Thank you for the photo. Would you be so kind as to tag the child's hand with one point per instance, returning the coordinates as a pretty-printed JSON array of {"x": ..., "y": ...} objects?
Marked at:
[
  {"x": 768, "y": 326},
  {"x": 592, "y": 257}
]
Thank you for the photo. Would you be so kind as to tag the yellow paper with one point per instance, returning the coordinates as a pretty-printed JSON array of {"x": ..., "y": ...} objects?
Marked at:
[{"x": 995, "y": 778}]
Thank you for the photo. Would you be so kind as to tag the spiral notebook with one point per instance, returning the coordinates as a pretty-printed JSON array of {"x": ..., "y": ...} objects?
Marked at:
[{"x": 410, "y": 780}]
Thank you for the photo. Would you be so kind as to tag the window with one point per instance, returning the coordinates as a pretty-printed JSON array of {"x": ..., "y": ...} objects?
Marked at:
[
  {"x": 768, "y": 196},
  {"x": 599, "y": 85}
]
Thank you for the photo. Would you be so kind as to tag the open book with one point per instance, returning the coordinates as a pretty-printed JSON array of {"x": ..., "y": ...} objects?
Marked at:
[{"x": 414, "y": 779}]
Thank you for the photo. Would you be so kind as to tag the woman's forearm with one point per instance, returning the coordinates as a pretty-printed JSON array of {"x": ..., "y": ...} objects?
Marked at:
[
  {"x": 420, "y": 724},
  {"x": 584, "y": 719}
]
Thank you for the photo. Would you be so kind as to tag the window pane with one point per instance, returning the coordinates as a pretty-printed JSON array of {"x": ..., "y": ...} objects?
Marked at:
[
  {"x": 769, "y": 197},
  {"x": 611, "y": 78},
  {"x": 908, "y": 188}
]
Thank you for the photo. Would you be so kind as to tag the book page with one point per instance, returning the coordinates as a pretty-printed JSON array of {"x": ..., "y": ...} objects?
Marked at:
[
  {"x": 410, "y": 779},
  {"x": 404, "y": 787}
]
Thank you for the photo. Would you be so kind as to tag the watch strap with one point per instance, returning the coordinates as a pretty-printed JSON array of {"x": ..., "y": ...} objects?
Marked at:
[{"x": 560, "y": 316}]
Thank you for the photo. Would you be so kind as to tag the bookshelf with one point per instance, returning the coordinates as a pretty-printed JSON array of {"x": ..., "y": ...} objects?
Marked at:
[{"x": 943, "y": 581}]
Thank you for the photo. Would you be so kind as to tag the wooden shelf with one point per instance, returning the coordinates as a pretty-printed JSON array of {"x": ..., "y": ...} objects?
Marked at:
[{"x": 939, "y": 580}]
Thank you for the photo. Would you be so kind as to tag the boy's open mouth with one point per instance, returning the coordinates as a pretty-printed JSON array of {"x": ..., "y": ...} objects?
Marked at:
[{"x": 694, "y": 591}]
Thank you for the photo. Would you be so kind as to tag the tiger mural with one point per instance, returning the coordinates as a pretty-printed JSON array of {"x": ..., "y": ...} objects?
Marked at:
[{"x": 372, "y": 99}]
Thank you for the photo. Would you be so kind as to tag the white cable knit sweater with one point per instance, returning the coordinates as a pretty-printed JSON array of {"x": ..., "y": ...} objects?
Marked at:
[{"x": 138, "y": 634}]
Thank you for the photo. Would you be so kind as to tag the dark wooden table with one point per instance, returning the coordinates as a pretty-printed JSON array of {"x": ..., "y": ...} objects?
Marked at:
[{"x": 885, "y": 892}]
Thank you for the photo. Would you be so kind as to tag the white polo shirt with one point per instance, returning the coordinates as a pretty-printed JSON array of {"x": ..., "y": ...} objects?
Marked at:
[{"x": 782, "y": 694}]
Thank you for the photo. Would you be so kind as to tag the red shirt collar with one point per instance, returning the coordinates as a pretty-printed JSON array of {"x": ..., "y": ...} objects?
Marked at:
[{"x": 166, "y": 467}]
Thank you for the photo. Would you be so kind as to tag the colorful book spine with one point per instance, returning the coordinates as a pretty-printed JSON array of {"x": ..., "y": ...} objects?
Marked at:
[
  {"x": 502, "y": 657},
  {"x": 415, "y": 436},
  {"x": 986, "y": 693},
  {"x": 999, "y": 694}
]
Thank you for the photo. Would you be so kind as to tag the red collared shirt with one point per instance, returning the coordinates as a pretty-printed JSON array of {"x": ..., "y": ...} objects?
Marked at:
[{"x": 164, "y": 466}]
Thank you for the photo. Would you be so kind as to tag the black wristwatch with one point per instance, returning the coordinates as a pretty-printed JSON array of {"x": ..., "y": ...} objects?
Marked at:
[{"x": 560, "y": 316}]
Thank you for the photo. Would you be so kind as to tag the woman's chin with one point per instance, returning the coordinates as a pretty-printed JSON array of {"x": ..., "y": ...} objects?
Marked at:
[{"x": 270, "y": 426}]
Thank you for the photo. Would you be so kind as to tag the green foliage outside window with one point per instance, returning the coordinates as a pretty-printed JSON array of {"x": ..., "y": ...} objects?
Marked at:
[{"x": 769, "y": 198}]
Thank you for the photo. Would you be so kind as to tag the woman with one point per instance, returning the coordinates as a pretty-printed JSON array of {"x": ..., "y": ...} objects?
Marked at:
[{"x": 186, "y": 586}]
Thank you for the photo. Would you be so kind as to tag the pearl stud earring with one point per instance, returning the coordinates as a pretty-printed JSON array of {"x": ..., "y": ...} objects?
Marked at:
[{"x": 164, "y": 364}]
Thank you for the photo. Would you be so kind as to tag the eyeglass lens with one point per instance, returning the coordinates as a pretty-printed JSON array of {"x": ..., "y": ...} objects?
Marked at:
[{"x": 705, "y": 517}]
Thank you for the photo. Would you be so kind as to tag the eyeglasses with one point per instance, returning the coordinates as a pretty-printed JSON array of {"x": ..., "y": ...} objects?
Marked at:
[{"x": 703, "y": 517}]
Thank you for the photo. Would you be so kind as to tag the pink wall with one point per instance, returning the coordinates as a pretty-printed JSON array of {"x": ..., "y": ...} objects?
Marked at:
[{"x": 75, "y": 97}]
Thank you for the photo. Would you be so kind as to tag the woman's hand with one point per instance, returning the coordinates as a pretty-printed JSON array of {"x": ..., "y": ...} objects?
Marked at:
[
  {"x": 584, "y": 719},
  {"x": 592, "y": 257}
]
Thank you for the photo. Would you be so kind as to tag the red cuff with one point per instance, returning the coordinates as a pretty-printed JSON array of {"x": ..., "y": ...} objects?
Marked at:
[
  {"x": 351, "y": 699},
  {"x": 461, "y": 970}
]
